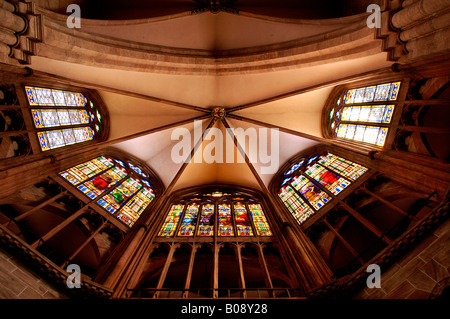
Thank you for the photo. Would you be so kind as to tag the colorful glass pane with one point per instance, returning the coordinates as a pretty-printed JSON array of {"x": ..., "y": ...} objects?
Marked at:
[
  {"x": 369, "y": 94},
  {"x": 341, "y": 130},
  {"x": 259, "y": 220},
  {"x": 389, "y": 111},
  {"x": 330, "y": 180},
  {"x": 137, "y": 170},
  {"x": 359, "y": 95},
  {"x": 243, "y": 224},
  {"x": 189, "y": 221},
  {"x": 364, "y": 113},
  {"x": 376, "y": 114},
  {"x": 342, "y": 166},
  {"x": 312, "y": 193},
  {"x": 225, "y": 221},
  {"x": 52, "y": 118},
  {"x": 58, "y": 138},
  {"x": 97, "y": 185},
  {"x": 382, "y": 92},
  {"x": 381, "y": 136},
  {"x": 114, "y": 199},
  {"x": 395, "y": 87},
  {"x": 294, "y": 167},
  {"x": 349, "y": 96},
  {"x": 295, "y": 204},
  {"x": 133, "y": 209},
  {"x": 350, "y": 132},
  {"x": 51, "y": 139},
  {"x": 81, "y": 172},
  {"x": 171, "y": 221},
  {"x": 359, "y": 132},
  {"x": 83, "y": 134},
  {"x": 50, "y": 97},
  {"x": 206, "y": 223},
  {"x": 286, "y": 180},
  {"x": 346, "y": 113}
]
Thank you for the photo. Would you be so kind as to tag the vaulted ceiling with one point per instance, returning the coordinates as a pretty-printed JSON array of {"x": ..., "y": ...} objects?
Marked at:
[{"x": 274, "y": 65}]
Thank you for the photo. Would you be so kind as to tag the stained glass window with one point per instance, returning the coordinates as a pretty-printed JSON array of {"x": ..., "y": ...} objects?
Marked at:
[
  {"x": 189, "y": 221},
  {"x": 342, "y": 166},
  {"x": 206, "y": 223},
  {"x": 171, "y": 221},
  {"x": 243, "y": 224},
  {"x": 63, "y": 118},
  {"x": 259, "y": 219},
  {"x": 354, "y": 119},
  {"x": 225, "y": 221},
  {"x": 313, "y": 187},
  {"x": 237, "y": 216},
  {"x": 111, "y": 184}
]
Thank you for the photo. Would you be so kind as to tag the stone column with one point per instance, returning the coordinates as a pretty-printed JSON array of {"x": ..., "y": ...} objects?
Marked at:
[
  {"x": 115, "y": 274},
  {"x": 424, "y": 26},
  {"x": 313, "y": 267}
]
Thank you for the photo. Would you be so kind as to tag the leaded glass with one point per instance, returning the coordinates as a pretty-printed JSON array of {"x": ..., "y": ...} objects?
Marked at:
[
  {"x": 189, "y": 221},
  {"x": 49, "y": 97},
  {"x": 316, "y": 197},
  {"x": 171, "y": 221},
  {"x": 206, "y": 223},
  {"x": 133, "y": 209},
  {"x": 114, "y": 199},
  {"x": 369, "y": 94},
  {"x": 259, "y": 220},
  {"x": 97, "y": 185},
  {"x": 342, "y": 166},
  {"x": 137, "y": 170},
  {"x": 225, "y": 220},
  {"x": 330, "y": 180},
  {"x": 294, "y": 167},
  {"x": 359, "y": 95},
  {"x": 243, "y": 224},
  {"x": 81, "y": 172},
  {"x": 382, "y": 93},
  {"x": 295, "y": 204}
]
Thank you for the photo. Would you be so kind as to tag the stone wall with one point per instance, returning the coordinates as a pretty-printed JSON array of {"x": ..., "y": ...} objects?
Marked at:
[
  {"x": 421, "y": 272},
  {"x": 18, "y": 282}
]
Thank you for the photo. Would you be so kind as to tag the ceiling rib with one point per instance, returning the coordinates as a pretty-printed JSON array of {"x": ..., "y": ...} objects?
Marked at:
[
  {"x": 153, "y": 130},
  {"x": 323, "y": 85},
  {"x": 282, "y": 129},
  {"x": 191, "y": 155},
  {"x": 244, "y": 154},
  {"x": 119, "y": 91}
]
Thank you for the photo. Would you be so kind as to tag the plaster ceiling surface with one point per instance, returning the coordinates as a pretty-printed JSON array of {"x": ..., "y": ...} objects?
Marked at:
[
  {"x": 156, "y": 149},
  {"x": 280, "y": 147},
  {"x": 223, "y": 31},
  {"x": 209, "y": 165},
  {"x": 290, "y": 98},
  {"x": 209, "y": 91},
  {"x": 130, "y": 115}
]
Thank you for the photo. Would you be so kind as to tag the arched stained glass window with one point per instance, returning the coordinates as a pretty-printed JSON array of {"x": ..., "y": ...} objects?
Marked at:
[
  {"x": 115, "y": 187},
  {"x": 364, "y": 114},
  {"x": 314, "y": 183},
  {"x": 62, "y": 118},
  {"x": 221, "y": 214}
]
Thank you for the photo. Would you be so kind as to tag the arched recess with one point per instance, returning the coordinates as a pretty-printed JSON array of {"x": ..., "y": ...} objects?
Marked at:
[
  {"x": 400, "y": 112},
  {"x": 227, "y": 226},
  {"x": 61, "y": 217},
  {"x": 364, "y": 112},
  {"x": 43, "y": 116},
  {"x": 364, "y": 216}
]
